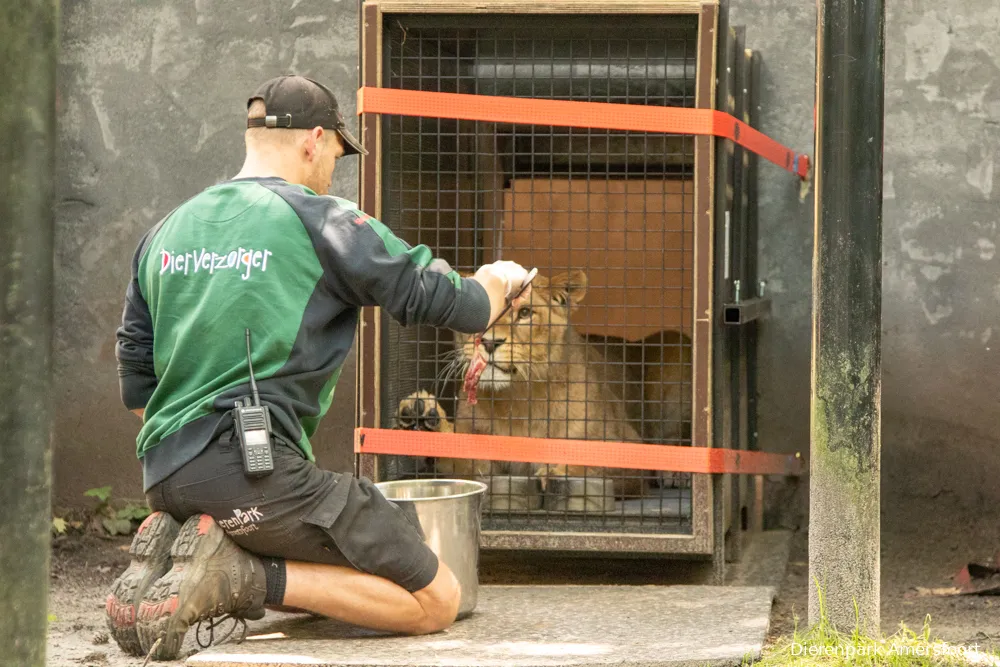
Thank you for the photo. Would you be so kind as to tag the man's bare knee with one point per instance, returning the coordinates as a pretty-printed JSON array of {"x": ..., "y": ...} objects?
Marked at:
[{"x": 440, "y": 601}]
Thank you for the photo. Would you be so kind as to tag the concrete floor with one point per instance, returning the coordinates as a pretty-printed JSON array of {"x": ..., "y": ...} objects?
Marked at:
[
  {"x": 548, "y": 612},
  {"x": 557, "y": 610},
  {"x": 537, "y": 626}
]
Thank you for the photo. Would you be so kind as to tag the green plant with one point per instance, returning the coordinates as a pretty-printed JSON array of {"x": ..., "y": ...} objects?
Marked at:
[
  {"x": 103, "y": 494},
  {"x": 134, "y": 512},
  {"x": 115, "y": 522},
  {"x": 823, "y": 645}
]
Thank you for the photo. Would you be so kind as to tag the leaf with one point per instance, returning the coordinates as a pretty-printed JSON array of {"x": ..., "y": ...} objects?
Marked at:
[
  {"x": 117, "y": 526},
  {"x": 59, "y": 525},
  {"x": 920, "y": 591},
  {"x": 52, "y": 618},
  {"x": 133, "y": 512},
  {"x": 102, "y": 494}
]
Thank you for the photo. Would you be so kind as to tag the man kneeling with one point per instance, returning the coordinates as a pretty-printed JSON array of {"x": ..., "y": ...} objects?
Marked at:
[{"x": 271, "y": 252}]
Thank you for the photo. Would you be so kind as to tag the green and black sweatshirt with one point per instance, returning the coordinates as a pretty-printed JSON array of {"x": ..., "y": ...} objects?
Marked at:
[{"x": 292, "y": 266}]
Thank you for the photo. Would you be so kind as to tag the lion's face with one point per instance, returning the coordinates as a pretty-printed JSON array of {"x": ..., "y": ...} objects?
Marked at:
[{"x": 530, "y": 340}]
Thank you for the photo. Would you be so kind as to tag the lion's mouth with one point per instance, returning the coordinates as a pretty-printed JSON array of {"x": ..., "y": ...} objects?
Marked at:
[
  {"x": 509, "y": 370},
  {"x": 487, "y": 362},
  {"x": 477, "y": 366}
]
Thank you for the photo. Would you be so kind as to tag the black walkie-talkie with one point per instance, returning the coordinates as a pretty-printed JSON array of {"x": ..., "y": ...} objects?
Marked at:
[{"x": 253, "y": 425}]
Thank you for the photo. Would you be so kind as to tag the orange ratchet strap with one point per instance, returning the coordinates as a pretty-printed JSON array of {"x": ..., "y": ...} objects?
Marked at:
[
  {"x": 671, "y": 458},
  {"x": 565, "y": 113}
]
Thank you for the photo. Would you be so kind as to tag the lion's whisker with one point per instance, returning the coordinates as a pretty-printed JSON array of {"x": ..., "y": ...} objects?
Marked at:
[
  {"x": 444, "y": 375},
  {"x": 450, "y": 371},
  {"x": 446, "y": 369},
  {"x": 446, "y": 354}
]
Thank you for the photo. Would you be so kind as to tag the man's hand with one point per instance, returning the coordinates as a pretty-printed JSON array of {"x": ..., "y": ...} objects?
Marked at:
[
  {"x": 512, "y": 273},
  {"x": 140, "y": 413},
  {"x": 502, "y": 280}
]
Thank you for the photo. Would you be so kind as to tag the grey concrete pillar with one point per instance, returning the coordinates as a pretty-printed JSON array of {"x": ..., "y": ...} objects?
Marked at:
[
  {"x": 28, "y": 42},
  {"x": 847, "y": 315}
]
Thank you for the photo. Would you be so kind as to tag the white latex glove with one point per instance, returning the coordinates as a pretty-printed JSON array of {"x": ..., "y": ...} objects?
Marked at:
[{"x": 511, "y": 273}]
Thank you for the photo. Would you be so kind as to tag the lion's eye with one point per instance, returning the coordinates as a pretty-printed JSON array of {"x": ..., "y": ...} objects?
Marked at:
[{"x": 524, "y": 313}]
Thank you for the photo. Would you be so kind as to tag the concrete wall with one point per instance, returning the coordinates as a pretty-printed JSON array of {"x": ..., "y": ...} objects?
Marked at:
[
  {"x": 787, "y": 101},
  {"x": 151, "y": 107},
  {"x": 941, "y": 286}
]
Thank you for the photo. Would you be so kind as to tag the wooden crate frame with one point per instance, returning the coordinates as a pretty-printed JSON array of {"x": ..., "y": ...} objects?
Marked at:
[{"x": 717, "y": 504}]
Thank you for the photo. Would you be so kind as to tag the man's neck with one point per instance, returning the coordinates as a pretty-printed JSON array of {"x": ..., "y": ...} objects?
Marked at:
[{"x": 254, "y": 167}]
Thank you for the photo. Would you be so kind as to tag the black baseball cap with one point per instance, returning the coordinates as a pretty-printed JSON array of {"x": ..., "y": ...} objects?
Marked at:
[{"x": 298, "y": 102}]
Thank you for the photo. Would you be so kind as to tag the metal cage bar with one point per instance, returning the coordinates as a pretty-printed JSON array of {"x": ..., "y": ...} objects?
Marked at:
[
  {"x": 368, "y": 368},
  {"x": 463, "y": 157}
]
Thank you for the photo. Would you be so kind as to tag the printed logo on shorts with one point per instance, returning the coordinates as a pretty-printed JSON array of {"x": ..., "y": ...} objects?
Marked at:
[
  {"x": 243, "y": 260},
  {"x": 242, "y": 523}
]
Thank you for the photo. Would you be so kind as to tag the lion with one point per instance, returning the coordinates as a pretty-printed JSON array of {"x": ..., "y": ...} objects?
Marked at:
[{"x": 543, "y": 379}]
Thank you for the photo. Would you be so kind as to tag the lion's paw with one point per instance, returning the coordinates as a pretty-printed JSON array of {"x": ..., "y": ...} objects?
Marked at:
[
  {"x": 669, "y": 480},
  {"x": 545, "y": 472},
  {"x": 420, "y": 411}
]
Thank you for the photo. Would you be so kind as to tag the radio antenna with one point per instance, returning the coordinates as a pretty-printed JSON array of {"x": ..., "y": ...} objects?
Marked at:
[{"x": 253, "y": 382}]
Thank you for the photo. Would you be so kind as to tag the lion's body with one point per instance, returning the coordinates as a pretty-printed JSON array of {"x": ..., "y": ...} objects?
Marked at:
[
  {"x": 575, "y": 401},
  {"x": 656, "y": 385},
  {"x": 545, "y": 380}
]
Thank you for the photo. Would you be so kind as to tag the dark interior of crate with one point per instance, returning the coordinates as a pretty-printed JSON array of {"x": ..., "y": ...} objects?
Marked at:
[{"x": 603, "y": 351}]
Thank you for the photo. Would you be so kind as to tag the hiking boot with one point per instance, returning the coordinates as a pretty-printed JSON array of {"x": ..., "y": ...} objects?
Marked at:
[
  {"x": 150, "y": 553},
  {"x": 211, "y": 576}
]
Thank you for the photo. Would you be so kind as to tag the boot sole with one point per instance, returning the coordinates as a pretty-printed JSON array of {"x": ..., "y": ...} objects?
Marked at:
[
  {"x": 198, "y": 539},
  {"x": 150, "y": 552}
]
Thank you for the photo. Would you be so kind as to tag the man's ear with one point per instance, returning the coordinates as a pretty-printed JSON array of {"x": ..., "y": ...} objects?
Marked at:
[
  {"x": 313, "y": 142},
  {"x": 568, "y": 289}
]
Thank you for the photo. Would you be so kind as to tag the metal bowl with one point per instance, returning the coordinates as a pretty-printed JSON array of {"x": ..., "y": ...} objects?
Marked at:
[
  {"x": 449, "y": 513},
  {"x": 517, "y": 494},
  {"x": 580, "y": 494}
]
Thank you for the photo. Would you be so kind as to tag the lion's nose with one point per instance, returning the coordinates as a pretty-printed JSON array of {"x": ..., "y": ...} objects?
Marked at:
[{"x": 491, "y": 344}]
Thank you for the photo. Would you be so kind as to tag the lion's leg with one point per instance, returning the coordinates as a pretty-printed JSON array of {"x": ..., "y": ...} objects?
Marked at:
[
  {"x": 421, "y": 411},
  {"x": 627, "y": 483},
  {"x": 462, "y": 468},
  {"x": 574, "y": 430},
  {"x": 546, "y": 471}
]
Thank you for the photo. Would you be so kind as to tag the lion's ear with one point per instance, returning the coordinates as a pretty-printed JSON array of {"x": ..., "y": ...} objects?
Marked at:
[{"x": 568, "y": 289}]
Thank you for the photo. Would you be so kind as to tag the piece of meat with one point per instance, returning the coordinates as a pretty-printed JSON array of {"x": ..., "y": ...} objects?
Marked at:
[{"x": 476, "y": 369}]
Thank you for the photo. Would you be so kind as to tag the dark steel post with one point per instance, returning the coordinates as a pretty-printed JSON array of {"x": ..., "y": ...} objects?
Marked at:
[
  {"x": 28, "y": 43},
  {"x": 847, "y": 307},
  {"x": 719, "y": 528},
  {"x": 722, "y": 284}
]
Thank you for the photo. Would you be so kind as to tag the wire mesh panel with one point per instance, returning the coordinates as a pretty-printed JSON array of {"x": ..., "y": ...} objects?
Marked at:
[{"x": 602, "y": 348}]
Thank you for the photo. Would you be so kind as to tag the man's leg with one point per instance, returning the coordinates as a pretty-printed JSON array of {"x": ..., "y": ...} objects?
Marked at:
[
  {"x": 300, "y": 537},
  {"x": 358, "y": 558},
  {"x": 213, "y": 576},
  {"x": 150, "y": 552},
  {"x": 373, "y": 602}
]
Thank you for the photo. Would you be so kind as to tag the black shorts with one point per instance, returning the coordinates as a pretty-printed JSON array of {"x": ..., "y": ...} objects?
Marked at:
[{"x": 300, "y": 512}]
